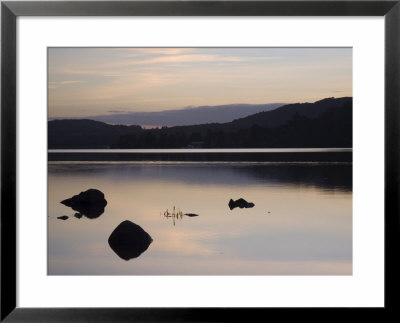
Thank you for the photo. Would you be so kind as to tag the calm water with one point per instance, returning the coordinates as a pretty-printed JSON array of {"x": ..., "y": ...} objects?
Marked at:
[{"x": 301, "y": 223}]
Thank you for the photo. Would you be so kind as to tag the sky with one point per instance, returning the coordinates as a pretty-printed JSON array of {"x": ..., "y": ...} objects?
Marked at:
[{"x": 103, "y": 81}]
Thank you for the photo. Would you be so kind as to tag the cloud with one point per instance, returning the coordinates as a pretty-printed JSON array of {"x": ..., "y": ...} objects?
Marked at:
[
  {"x": 117, "y": 111},
  {"x": 153, "y": 58},
  {"x": 54, "y": 85},
  {"x": 111, "y": 75},
  {"x": 158, "y": 51},
  {"x": 150, "y": 79},
  {"x": 189, "y": 58}
]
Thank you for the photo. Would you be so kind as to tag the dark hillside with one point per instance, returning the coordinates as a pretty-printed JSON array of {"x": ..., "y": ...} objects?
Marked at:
[
  {"x": 325, "y": 123},
  {"x": 282, "y": 115},
  {"x": 69, "y": 133}
]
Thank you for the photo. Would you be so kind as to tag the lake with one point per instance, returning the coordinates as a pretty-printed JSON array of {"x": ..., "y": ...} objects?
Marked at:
[{"x": 301, "y": 222}]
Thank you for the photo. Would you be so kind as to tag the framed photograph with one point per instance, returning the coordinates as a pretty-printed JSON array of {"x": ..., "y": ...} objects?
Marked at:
[{"x": 198, "y": 160}]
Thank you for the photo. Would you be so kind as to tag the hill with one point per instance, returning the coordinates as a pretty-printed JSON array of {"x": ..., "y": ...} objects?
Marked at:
[
  {"x": 79, "y": 134},
  {"x": 325, "y": 123},
  {"x": 187, "y": 116}
]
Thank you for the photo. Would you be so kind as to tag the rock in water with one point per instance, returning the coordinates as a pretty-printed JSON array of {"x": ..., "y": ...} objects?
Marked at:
[
  {"x": 129, "y": 240},
  {"x": 241, "y": 203},
  {"x": 64, "y": 217},
  {"x": 90, "y": 203},
  {"x": 191, "y": 214}
]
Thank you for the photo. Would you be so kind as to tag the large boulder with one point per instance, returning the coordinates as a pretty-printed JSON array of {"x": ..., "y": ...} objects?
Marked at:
[
  {"x": 90, "y": 203},
  {"x": 129, "y": 240},
  {"x": 241, "y": 203}
]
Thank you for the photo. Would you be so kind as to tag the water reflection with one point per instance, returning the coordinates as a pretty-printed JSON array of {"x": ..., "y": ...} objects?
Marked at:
[
  {"x": 301, "y": 222},
  {"x": 176, "y": 214},
  {"x": 129, "y": 240},
  {"x": 327, "y": 176}
]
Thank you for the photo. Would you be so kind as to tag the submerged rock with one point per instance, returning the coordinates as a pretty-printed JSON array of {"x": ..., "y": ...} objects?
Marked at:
[
  {"x": 90, "y": 203},
  {"x": 241, "y": 203},
  {"x": 64, "y": 217},
  {"x": 191, "y": 214},
  {"x": 129, "y": 240}
]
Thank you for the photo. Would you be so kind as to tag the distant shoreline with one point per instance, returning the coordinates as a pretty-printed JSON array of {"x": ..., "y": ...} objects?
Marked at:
[
  {"x": 205, "y": 155},
  {"x": 201, "y": 150}
]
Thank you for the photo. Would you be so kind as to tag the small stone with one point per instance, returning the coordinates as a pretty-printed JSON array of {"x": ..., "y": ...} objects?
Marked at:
[
  {"x": 191, "y": 214},
  {"x": 241, "y": 203}
]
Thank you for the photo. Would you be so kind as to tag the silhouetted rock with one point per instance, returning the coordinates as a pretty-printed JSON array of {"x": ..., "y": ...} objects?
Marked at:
[
  {"x": 78, "y": 215},
  {"x": 64, "y": 217},
  {"x": 191, "y": 214},
  {"x": 90, "y": 203},
  {"x": 241, "y": 203},
  {"x": 129, "y": 240}
]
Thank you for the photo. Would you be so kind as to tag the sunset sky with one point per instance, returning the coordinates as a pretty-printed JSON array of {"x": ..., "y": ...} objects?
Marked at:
[{"x": 101, "y": 81}]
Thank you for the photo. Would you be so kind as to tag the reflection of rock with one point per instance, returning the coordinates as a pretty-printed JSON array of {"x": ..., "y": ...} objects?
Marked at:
[
  {"x": 241, "y": 203},
  {"x": 129, "y": 240},
  {"x": 64, "y": 217},
  {"x": 191, "y": 214},
  {"x": 90, "y": 203}
]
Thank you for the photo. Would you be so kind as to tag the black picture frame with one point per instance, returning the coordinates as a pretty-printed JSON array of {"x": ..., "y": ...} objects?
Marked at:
[{"x": 11, "y": 10}]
